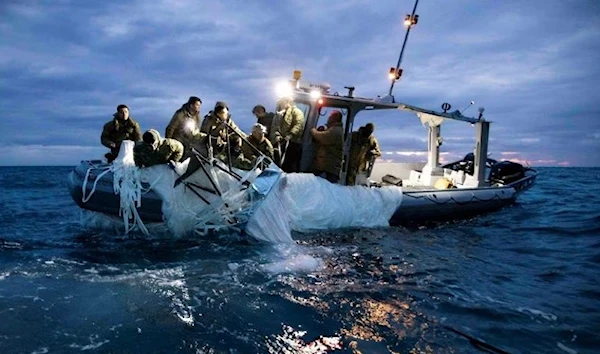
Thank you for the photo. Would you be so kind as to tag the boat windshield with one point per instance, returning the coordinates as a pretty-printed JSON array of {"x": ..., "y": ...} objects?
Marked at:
[{"x": 305, "y": 108}]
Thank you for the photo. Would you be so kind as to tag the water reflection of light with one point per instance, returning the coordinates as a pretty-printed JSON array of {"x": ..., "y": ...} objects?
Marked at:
[
  {"x": 359, "y": 291},
  {"x": 394, "y": 316},
  {"x": 291, "y": 341}
]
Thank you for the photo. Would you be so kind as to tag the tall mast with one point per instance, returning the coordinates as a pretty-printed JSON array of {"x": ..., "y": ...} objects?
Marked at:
[{"x": 409, "y": 22}]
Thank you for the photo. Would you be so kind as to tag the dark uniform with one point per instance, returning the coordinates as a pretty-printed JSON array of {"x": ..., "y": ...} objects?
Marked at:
[
  {"x": 153, "y": 150},
  {"x": 117, "y": 130},
  {"x": 267, "y": 121}
]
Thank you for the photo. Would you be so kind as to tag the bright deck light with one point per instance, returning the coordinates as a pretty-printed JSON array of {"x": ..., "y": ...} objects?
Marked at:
[
  {"x": 283, "y": 89},
  {"x": 315, "y": 94},
  {"x": 190, "y": 125}
]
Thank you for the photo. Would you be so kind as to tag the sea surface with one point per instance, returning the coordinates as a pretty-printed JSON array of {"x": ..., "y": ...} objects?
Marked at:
[{"x": 525, "y": 279}]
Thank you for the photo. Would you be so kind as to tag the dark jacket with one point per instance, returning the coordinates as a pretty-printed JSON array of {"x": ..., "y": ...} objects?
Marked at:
[
  {"x": 267, "y": 121},
  {"x": 329, "y": 149},
  {"x": 163, "y": 151},
  {"x": 117, "y": 130}
]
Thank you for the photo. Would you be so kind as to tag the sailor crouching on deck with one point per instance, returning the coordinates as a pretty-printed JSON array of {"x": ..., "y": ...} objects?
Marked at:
[
  {"x": 329, "y": 148},
  {"x": 153, "y": 150},
  {"x": 121, "y": 127}
]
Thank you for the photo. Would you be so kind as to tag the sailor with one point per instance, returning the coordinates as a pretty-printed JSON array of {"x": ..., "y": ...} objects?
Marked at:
[
  {"x": 121, "y": 127},
  {"x": 329, "y": 148},
  {"x": 238, "y": 159},
  {"x": 288, "y": 134},
  {"x": 259, "y": 142},
  {"x": 153, "y": 150},
  {"x": 220, "y": 128},
  {"x": 364, "y": 149},
  {"x": 265, "y": 118},
  {"x": 185, "y": 126}
]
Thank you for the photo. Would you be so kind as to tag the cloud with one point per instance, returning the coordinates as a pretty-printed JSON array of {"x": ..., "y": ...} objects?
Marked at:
[{"x": 66, "y": 65}]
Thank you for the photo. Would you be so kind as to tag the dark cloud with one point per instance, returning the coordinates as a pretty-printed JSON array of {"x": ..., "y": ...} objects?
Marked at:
[{"x": 532, "y": 65}]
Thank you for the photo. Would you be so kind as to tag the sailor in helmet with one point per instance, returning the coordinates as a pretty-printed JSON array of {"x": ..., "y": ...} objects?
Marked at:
[
  {"x": 257, "y": 143},
  {"x": 154, "y": 150}
]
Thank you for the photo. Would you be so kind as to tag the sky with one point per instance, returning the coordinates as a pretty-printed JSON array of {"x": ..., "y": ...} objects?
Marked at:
[{"x": 533, "y": 65}]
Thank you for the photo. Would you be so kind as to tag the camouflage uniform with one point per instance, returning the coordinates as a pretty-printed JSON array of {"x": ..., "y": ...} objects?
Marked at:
[
  {"x": 145, "y": 154},
  {"x": 264, "y": 146},
  {"x": 290, "y": 125},
  {"x": 183, "y": 127},
  {"x": 362, "y": 149},
  {"x": 117, "y": 130},
  {"x": 238, "y": 160},
  {"x": 218, "y": 131}
]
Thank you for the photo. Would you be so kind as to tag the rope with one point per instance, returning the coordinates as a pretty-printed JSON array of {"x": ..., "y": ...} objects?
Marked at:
[
  {"x": 127, "y": 184},
  {"x": 85, "y": 181}
]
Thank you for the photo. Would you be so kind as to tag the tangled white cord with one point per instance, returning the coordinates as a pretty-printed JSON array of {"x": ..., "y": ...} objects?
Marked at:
[
  {"x": 230, "y": 211},
  {"x": 127, "y": 183}
]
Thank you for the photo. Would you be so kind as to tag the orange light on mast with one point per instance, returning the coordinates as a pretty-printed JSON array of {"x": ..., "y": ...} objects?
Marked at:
[{"x": 395, "y": 74}]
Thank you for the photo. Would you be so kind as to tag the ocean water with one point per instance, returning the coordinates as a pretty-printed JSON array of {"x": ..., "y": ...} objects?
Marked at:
[{"x": 521, "y": 280}]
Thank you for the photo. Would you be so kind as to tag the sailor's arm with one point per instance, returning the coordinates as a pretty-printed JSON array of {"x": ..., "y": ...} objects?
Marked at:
[
  {"x": 322, "y": 137},
  {"x": 105, "y": 138},
  {"x": 297, "y": 125},
  {"x": 374, "y": 148},
  {"x": 137, "y": 132},
  {"x": 173, "y": 126},
  {"x": 270, "y": 150}
]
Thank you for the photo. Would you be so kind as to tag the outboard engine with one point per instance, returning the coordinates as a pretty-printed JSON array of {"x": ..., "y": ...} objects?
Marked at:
[
  {"x": 506, "y": 172},
  {"x": 467, "y": 164}
]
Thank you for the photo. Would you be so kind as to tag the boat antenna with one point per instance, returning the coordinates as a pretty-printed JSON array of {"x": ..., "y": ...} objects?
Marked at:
[
  {"x": 409, "y": 22},
  {"x": 467, "y": 107}
]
